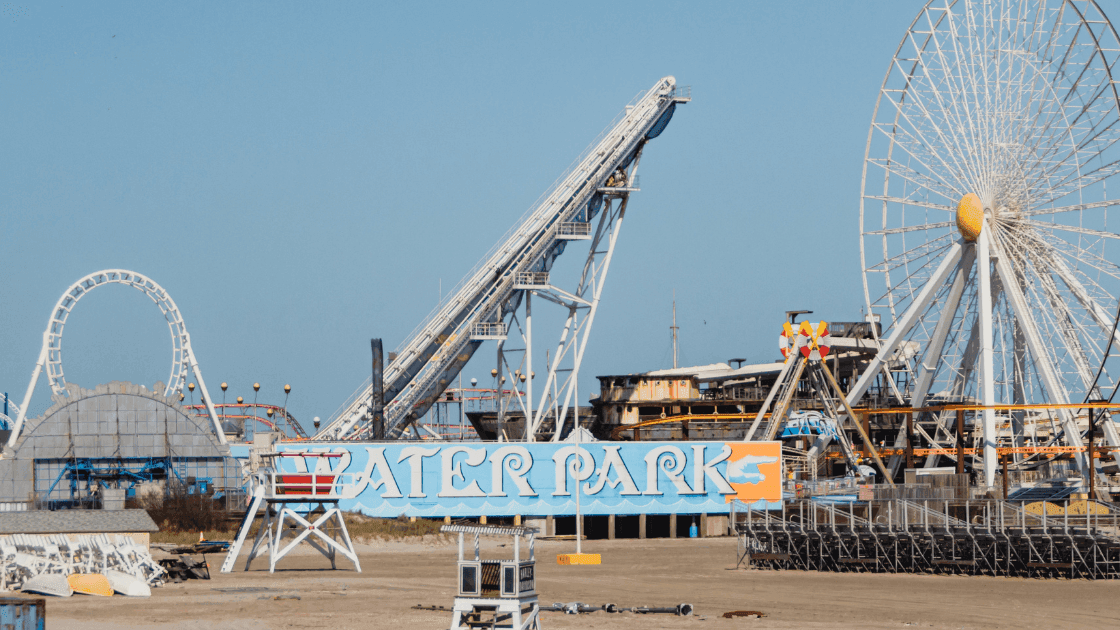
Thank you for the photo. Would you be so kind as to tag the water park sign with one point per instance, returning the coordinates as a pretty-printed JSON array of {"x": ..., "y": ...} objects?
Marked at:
[{"x": 539, "y": 479}]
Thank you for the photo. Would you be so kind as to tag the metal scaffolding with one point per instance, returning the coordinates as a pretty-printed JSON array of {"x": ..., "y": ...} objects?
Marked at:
[{"x": 978, "y": 537}]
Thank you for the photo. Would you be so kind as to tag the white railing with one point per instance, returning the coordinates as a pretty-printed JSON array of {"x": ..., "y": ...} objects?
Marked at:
[
  {"x": 489, "y": 329},
  {"x": 289, "y": 484},
  {"x": 575, "y": 229},
  {"x": 532, "y": 278}
]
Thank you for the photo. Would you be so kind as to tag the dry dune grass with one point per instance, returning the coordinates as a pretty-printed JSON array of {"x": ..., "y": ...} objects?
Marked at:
[{"x": 361, "y": 529}]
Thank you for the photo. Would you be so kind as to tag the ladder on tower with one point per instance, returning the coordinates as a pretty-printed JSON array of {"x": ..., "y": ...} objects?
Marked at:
[{"x": 255, "y": 501}]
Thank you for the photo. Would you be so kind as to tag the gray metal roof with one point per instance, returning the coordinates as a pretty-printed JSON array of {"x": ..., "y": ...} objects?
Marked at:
[{"x": 76, "y": 521}]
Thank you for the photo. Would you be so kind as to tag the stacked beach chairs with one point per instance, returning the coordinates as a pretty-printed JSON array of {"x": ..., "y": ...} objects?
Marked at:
[{"x": 58, "y": 564}]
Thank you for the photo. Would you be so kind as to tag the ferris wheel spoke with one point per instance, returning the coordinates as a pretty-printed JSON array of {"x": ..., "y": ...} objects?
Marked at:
[
  {"x": 1068, "y": 329},
  {"x": 1074, "y": 179},
  {"x": 928, "y": 251},
  {"x": 975, "y": 146},
  {"x": 938, "y": 129},
  {"x": 912, "y": 202},
  {"x": 914, "y": 142},
  {"x": 966, "y": 138},
  {"x": 1042, "y": 225},
  {"x": 1079, "y": 255},
  {"x": 912, "y": 228},
  {"x": 1103, "y": 320},
  {"x": 1081, "y": 207},
  {"x": 915, "y": 177},
  {"x": 1088, "y": 259}
]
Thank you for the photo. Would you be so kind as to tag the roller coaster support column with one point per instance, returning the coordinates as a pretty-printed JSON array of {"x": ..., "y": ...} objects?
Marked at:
[
  {"x": 18, "y": 425},
  {"x": 499, "y": 393},
  {"x": 574, "y": 336},
  {"x": 529, "y": 435}
]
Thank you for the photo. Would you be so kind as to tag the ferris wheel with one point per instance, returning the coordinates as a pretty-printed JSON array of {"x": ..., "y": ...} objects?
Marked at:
[{"x": 986, "y": 241}]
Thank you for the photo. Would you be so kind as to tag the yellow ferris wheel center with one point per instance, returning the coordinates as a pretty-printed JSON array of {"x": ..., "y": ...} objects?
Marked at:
[{"x": 970, "y": 216}]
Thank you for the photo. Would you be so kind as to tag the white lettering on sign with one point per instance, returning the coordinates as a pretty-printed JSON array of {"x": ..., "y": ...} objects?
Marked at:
[
  {"x": 702, "y": 469},
  {"x": 462, "y": 469},
  {"x": 580, "y": 468},
  {"x": 672, "y": 461},
  {"x": 376, "y": 460},
  {"x": 613, "y": 460},
  {"x": 415, "y": 456},
  {"x": 450, "y": 469},
  {"x": 515, "y": 460}
]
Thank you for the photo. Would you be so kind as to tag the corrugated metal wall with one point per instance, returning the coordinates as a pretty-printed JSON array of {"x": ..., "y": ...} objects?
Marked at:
[{"x": 116, "y": 420}]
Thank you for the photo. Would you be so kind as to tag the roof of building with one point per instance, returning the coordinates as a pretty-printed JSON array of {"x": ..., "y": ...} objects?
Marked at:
[
  {"x": 690, "y": 371},
  {"x": 674, "y": 372},
  {"x": 75, "y": 521}
]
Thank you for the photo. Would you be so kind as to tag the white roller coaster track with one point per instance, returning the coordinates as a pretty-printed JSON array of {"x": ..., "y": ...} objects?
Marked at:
[
  {"x": 441, "y": 345},
  {"x": 50, "y": 356}
]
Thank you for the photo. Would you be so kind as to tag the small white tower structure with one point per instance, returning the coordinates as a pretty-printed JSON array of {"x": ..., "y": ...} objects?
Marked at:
[
  {"x": 505, "y": 590},
  {"x": 276, "y": 491}
]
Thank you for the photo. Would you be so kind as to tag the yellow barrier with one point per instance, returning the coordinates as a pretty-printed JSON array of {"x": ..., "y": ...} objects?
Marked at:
[{"x": 578, "y": 558}]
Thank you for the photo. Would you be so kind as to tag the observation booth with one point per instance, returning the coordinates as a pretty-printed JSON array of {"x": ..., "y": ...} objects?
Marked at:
[
  {"x": 496, "y": 593},
  {"x": 290, "y": 499}
]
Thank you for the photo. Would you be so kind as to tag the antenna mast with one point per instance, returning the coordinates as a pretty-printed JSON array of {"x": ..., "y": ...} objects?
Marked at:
[{"x": 674, "y": 329}]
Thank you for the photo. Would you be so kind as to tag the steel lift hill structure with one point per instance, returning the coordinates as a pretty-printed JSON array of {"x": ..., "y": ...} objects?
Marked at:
[{"x": 587, "y": 203}]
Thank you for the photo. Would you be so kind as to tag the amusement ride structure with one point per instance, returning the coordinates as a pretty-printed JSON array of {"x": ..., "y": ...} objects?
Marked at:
[
  {"x": 587, "y": 203},
  {"x": 986, "y": 241},
  {"x": 183, "y": 360}
]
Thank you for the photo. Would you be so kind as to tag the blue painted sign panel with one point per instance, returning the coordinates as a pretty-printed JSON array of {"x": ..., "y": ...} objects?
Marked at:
[{"x": 539, "y": 479}]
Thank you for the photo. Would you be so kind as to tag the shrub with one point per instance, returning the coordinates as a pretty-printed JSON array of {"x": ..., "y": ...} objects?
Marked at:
[{"x": 180, "y": 511}]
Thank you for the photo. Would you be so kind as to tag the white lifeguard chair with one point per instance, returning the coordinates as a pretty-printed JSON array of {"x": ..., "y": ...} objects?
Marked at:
[
  {"x": 496, "y": 593},
  {"x": 280, "y": 493}
]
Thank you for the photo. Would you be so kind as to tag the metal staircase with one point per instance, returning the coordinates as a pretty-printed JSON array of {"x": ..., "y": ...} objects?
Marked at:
[{"x": 476, "y": 309}]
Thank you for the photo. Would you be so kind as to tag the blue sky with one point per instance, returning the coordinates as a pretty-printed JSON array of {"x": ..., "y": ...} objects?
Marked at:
[{"x": 302, "y": 177}]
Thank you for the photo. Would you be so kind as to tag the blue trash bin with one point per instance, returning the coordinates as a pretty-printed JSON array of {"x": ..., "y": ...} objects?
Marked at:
[{"x": 18, "y": 613}]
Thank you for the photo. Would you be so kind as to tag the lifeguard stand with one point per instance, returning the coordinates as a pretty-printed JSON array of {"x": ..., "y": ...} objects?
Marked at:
[
  {"x": 277, "y": 491},
  {"x": 503, "y": 591}
]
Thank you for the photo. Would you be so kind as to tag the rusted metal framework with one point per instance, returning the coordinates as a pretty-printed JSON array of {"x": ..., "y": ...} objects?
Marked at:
[{"x": 977, "y": 537}]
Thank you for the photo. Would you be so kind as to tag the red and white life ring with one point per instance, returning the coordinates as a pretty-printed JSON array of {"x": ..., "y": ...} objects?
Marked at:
[
  {"x": 786, "y": 339},
  {"x": 807, "y": 334}
]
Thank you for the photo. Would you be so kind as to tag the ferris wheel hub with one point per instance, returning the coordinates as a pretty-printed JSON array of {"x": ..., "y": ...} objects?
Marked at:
[{"x": 970, "y": 216}]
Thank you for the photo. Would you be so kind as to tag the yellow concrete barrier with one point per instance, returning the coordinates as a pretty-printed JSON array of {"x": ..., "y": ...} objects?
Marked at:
[{"x": 578, "y": 558}]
